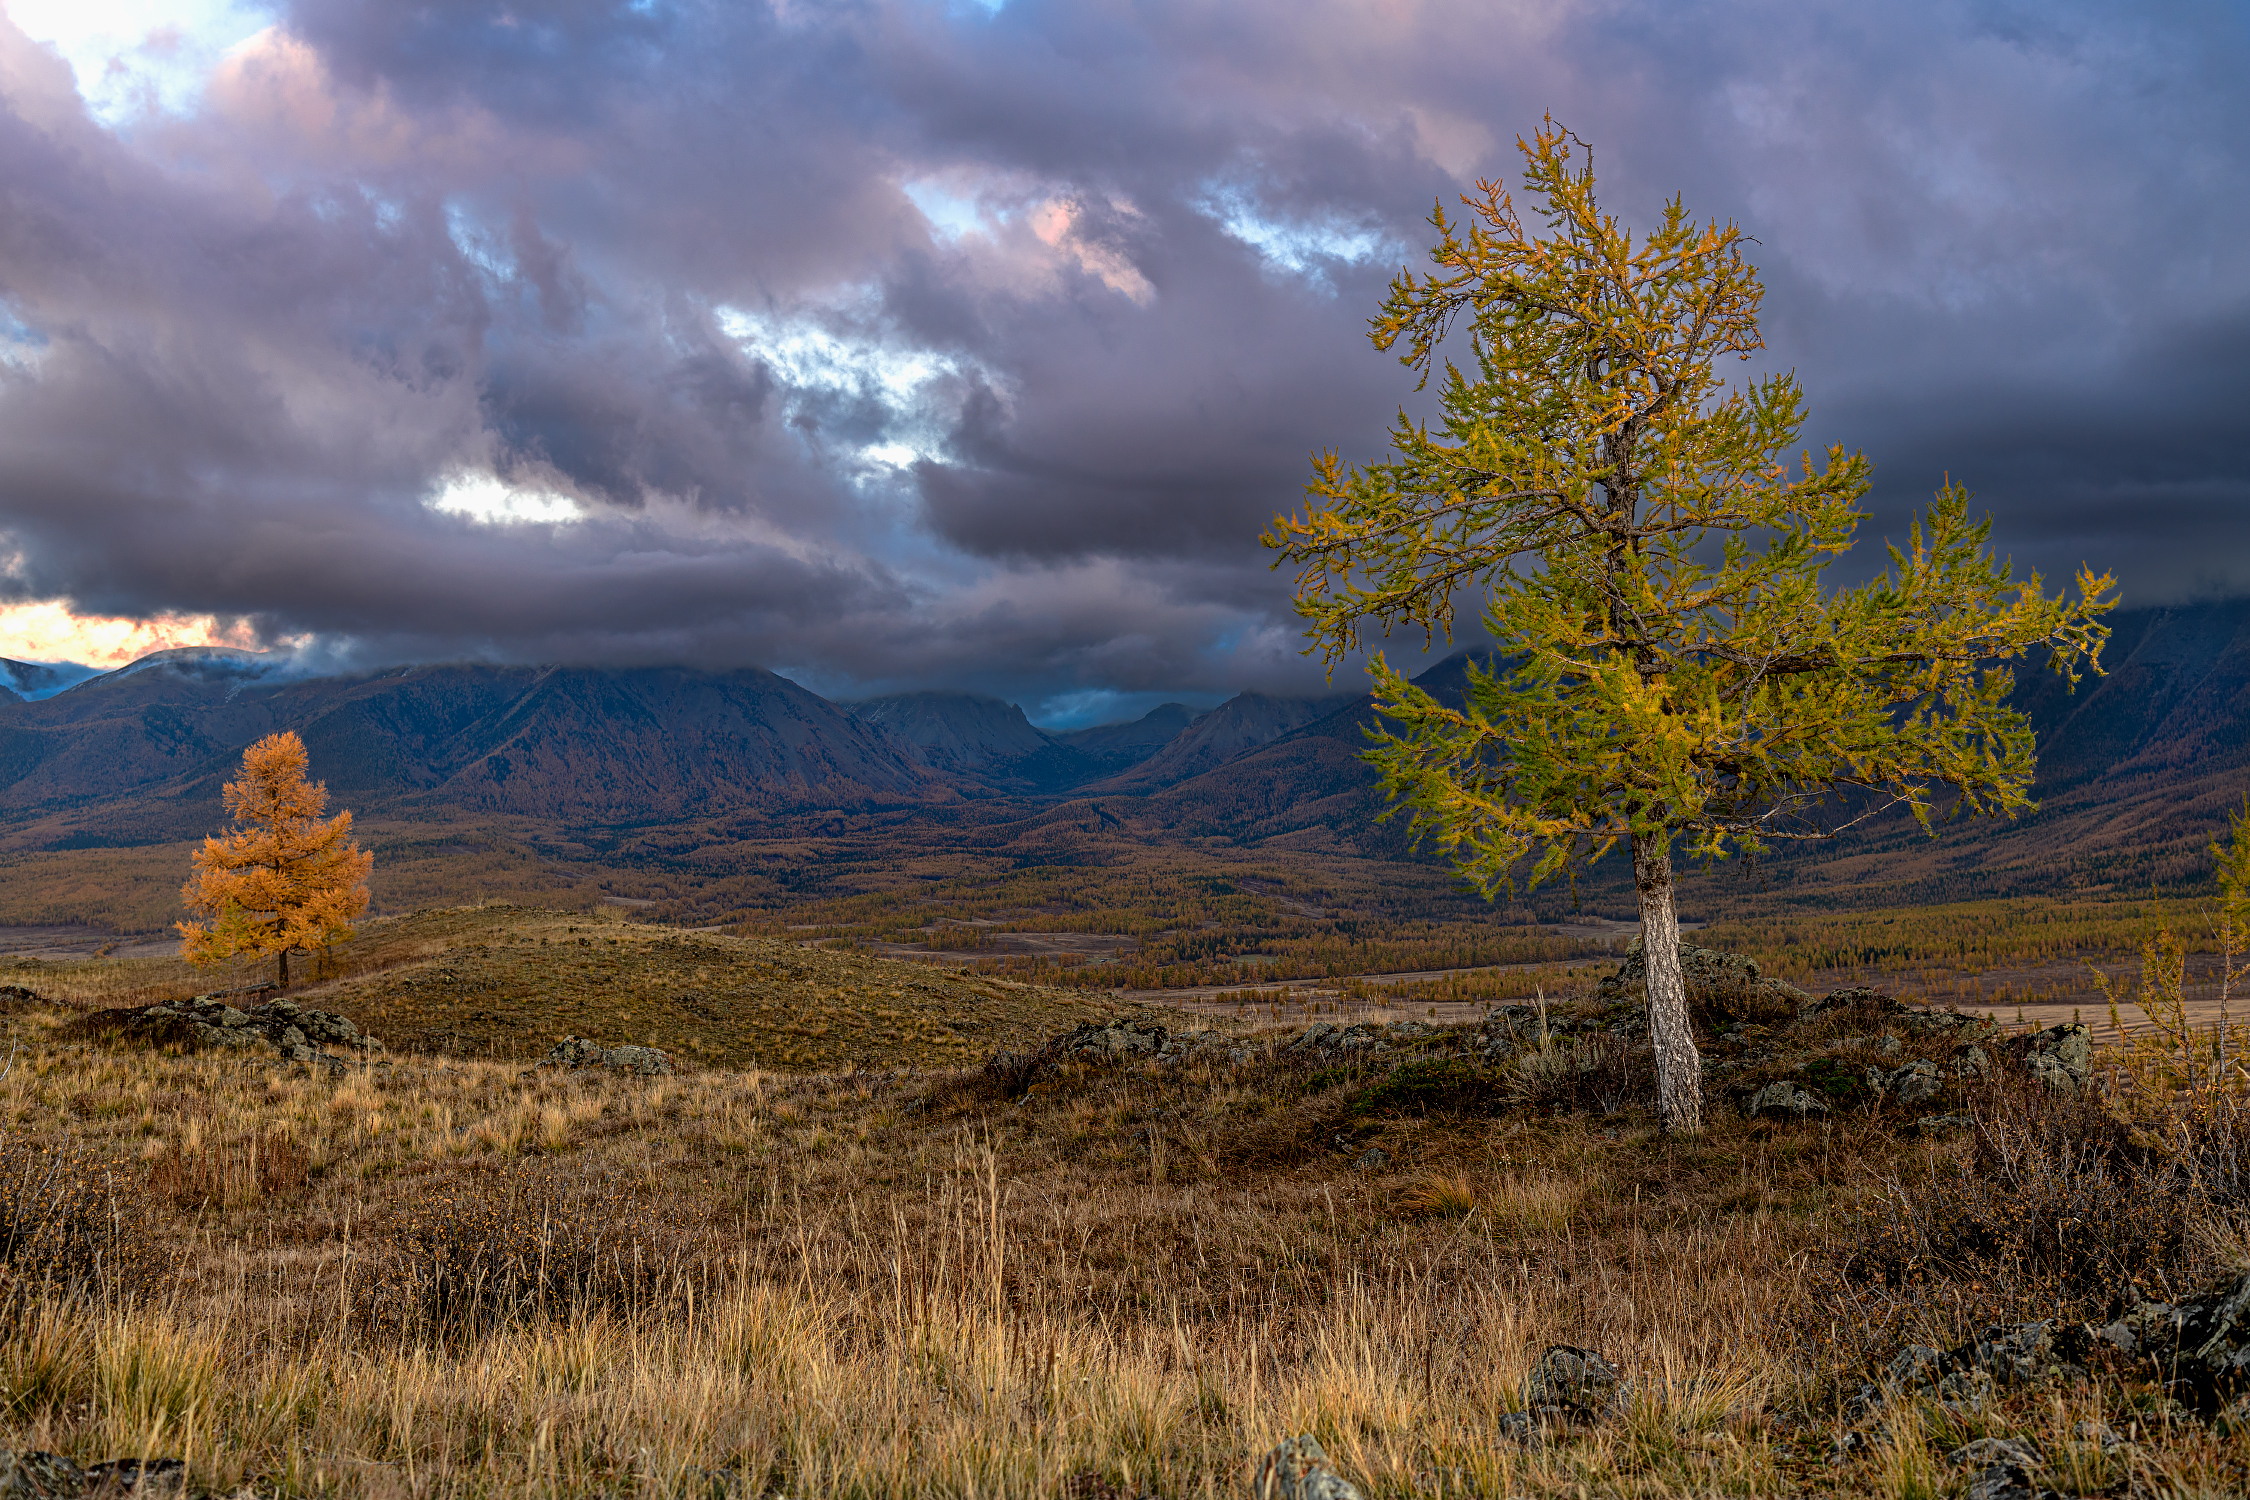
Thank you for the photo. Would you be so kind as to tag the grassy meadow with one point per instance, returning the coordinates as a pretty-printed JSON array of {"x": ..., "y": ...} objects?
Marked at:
[{"x": 791, "y": 1270}]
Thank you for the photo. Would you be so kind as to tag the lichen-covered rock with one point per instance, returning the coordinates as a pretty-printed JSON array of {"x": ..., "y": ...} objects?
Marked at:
[
  {"x": 1916, "y": 1083},
  {"x": 33, "y": 1475},
  {"x": 2003, "y": 1355},
  {"x": 210, "y": 1023},
  {"x": 1576, "y": 1383},
  {"x": 2006, "y": 1468},
  {"x": 2200, "y": 1344},
  {"x": 1110, "y": 1041},
  {"x": 1298, "y": 1469},
  {"x": 1785, "y": 1098},
  {"x": 580, "y": 1052},
  {"x": 2060, "y": 1056}
]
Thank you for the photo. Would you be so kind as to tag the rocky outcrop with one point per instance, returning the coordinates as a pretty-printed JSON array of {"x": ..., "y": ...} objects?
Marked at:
[
  {"x": 2200, "y": 1345},
  {"x": 32, "y": 1475},
  {"x": 1332, "y": 1043},
  {"x": 577, "y": 1052},
  {"x": 1722, "y": 981},
  {"x": 1119, "y": 1040},
  {"x": 2017, "y": 1355},
  {"x": 1568, "y": 1387},
  {"x": 298, "y": 1033},
  {"x": 1298, "y": 1469}
]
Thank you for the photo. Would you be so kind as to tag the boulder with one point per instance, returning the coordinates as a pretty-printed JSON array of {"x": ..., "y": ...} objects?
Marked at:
[
  {"x": 2005, "y": 1469},
  {"x": 1785, "y": 1098},
  {"x": 2060, "y": 1056},
  {"x": 579, "y": 1052},
  {"x": 33, "y": 1475},
  {"x": 1297, "y": 1469},
  {"x": 1916, "y": 1083},
  {"x": 1572, "y": 1384}
]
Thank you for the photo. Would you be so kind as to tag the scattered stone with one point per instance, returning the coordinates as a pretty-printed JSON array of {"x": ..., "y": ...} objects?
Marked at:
[
  {"x": 1518, "y": 1427},
  {"x": 578, "y": 1052},
  {"x": 1298, "y": 1469},
  {"x": 1576, "y": 1385},
  {"x": 1971, "y": 1062},
  {"x": 1785, "y": 1098}
]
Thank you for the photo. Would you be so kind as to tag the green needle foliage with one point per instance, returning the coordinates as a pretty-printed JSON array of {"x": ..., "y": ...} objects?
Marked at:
[{"x": 1670, "y": 664}]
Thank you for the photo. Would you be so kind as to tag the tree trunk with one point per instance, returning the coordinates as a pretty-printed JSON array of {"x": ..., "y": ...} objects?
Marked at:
[
  {"x": 1679, "y": 1069},
  {"x": 282, "y": 974}
]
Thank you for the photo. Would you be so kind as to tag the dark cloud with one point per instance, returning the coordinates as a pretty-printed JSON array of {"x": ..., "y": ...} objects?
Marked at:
[{"x": 901, "y": 345}]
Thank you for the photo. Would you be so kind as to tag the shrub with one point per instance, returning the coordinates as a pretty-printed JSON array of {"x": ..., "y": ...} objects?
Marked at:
[
  {"x": 1600, "y": 1074},
  {"x": 230, "y": 1174},
  {"x": 68, "y": 1221},
  {"x": 1451, "y": 1085},
  {"x": 2048, "y": 1208}
]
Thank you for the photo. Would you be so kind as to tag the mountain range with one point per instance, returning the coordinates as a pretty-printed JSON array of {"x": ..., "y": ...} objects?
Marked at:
[{"x": 2137, "y": 767}]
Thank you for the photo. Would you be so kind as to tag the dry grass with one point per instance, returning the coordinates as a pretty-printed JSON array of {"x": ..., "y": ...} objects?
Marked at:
[
  {"x": 502, "y": 981},
  {"x": 469, "y": 1280}
]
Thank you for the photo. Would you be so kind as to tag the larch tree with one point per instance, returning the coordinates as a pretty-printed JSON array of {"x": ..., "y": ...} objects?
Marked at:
[
  {"x": 1670, "y": 665},
  {"x": 286, "y": 877}
]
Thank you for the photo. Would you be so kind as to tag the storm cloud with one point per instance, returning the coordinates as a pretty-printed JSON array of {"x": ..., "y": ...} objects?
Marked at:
[{"x": 903, "y": 345}]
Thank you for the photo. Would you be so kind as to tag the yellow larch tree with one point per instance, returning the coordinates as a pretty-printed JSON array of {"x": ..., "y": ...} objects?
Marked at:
[{"x": 286, "y": 876}]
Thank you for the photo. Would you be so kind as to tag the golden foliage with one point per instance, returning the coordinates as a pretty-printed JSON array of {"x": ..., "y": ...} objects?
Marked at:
[{"x": 286, "y": 877}]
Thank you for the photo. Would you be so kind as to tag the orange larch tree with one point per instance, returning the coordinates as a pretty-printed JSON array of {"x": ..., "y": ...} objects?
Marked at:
[{"x": 286, "y": 877}]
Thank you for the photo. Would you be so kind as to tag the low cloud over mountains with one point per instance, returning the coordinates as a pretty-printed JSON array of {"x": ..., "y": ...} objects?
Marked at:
[{"x": 897, "y": 346}]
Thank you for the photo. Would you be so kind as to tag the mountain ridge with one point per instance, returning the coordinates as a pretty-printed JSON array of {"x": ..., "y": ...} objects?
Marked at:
[{"x": 2137, "y": 768}]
